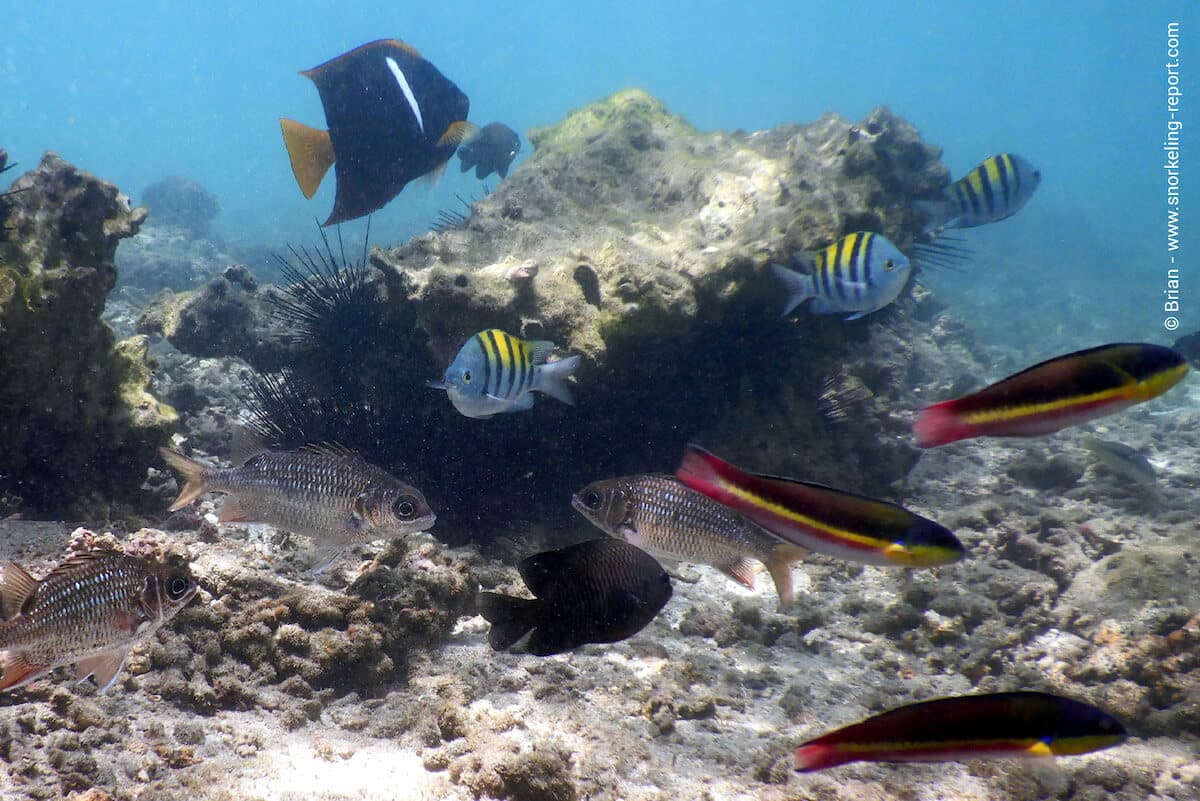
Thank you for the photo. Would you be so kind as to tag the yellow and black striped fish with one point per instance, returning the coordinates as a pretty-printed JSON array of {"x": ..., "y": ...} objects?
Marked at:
[
  {"x": 497, "y": 372},
  {"x": 991, "y": 192},
  {"x": 860, "y": 273}
]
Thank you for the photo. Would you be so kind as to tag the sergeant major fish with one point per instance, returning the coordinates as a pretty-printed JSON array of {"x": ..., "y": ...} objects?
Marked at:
[
  {"x": 995, "y": 190},
  {"x": 860, "y": 273},
  {"x": 674, "y": 523},
  {"x": 496, "y": 372},
  {"x": 88, "y": 611},
  {"x": 325, "y": 493}
]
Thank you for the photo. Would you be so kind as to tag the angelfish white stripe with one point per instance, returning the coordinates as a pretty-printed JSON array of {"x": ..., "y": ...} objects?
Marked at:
[{"x": 408, "y": 95}]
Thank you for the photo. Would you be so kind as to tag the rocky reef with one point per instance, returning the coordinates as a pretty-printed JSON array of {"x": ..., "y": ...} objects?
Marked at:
[
  {"x": 78, "y": 427},
  {"x": 635, "y": 240}
]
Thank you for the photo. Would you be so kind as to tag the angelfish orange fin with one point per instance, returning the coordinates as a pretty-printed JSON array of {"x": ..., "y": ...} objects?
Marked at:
[
  {"x": 15, "y": 588},
  {"x": 192, "y": 473},
  {"x": 741, "y": 571},
  {"x": 104, "y": 667},
  {"x": 456, "y": 133},
  {"x": 18, "y": 670},
  {"x": 311, "y": 153}
]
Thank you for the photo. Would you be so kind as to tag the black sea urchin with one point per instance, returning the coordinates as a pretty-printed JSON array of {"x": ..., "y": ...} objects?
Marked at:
[{"x": 455, "y": 220}]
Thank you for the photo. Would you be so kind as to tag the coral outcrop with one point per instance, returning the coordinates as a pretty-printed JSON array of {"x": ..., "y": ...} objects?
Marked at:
[{"x": 77, "y": 424}]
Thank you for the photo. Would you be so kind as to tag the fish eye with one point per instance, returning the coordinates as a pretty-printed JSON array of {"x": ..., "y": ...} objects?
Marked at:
[
  {"x": 889, "y": 265},
  {"x": 466, "y": 376},
  {"x": 405, "y": 507},
  {"x": 592, "y": 500},
  {"x": 177, "y": 587}
]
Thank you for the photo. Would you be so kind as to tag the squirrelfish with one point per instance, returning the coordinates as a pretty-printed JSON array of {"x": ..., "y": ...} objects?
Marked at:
[
  {"x": 1004, "y": 725},
  {"x": 991, "y": 192},
  {"x": 860, "y": 273},
  {"x": 821, "y": 518},
  {"x": 497, "y": 372},
  {"x": 88, "y": 611},
  {"x": 1057, "y": 393},
  {"x": 325, "y": 493},
  {"x": 599, "y": 591},
  {"x": 671, "y": 522}
]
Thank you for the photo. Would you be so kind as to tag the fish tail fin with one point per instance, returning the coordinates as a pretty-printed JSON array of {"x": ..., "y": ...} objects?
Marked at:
[
  {"x": 192, "y": 473},
  {"x": 938, "y": 214},
  {"x": 799, "y": 287},
  {"x": 511, "y": 618},
  {"x": 311, "y": 153},
  {"x": 18, "y": 670},
  {"x": 552, "y": 378},
  {"x": 939, "y": 424},
  {"x": 779, "y": 565},
  {"x": 815, "y": 756}
]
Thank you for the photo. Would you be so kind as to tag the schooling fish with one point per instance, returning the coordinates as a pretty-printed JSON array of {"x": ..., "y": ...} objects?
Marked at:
[
  {"x": 1121, "y": 460},
  {"x": 1004, "y": 725},
  {"x": 1061, "y": 392},
  {"x": 496, "y": 372},
  {"x": 89, "y": 611},
  {"x": 593, "y": 592},
  {"x": 821, "y": 518},
  {"x": 392, "y": 117},
  {"x": 860, "y": 273},
  {"x": 993, "y": 191},
  {"x": 492, "y": 150},
  {"x": 324, "y": 493},
  {"x": 663, "y": 517}
]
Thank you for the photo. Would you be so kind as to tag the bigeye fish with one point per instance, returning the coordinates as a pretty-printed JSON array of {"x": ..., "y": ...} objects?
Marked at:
[
  {"x": 496, "y": 372},
  {"x": 88, "y": 611},
  {"x": 599, "y": 591},
  {"x": 993, "y": 191},
  {"x": 820, "y": 518},
  {"x": 993, "y": 725},
  {"x": 392, "y": 117},
  {"x": 491, "y": 150},
  {"x": 860, "y": 273},
  {"x": 326, "y": 493},
  {"x": 673, "y": 523},
  {"x": 1054, "y": 394}
]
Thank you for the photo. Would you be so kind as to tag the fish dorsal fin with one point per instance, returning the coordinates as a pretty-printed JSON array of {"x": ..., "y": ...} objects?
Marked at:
[
  {"x": 405, "y": 47},
  {"x": 540, "y": 351},
  {"x": 539, "y": 571},
  {"x": 244, "y": 445},
  {"x": 741, "y": 571},
  {"x": 104, "y": 667},
  {"x": 311, "y": 153},
  {"x": 805, "y": 261},
  {"x": 331, "y": 449},
  {"x": 457, "y": 133},
  {"x": 15, "y": 589}
]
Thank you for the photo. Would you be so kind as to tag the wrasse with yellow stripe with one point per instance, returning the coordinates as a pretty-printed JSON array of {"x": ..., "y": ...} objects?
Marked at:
[
  {"x": 820, "y": 518},
  {"x": 993, "y": 725},
  {"x": 995, "y": 190},
  {"x": 1061, "y": 392},
  {"x": 497, "y": 372},
  {"x": 860, "y": 273}
]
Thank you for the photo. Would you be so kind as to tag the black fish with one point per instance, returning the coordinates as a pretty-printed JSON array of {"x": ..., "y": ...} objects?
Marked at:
[
  {"x": 392, "y": 117},
  {"x": 596, "y": 591},
  {"x": 1189, "y": 346},
  {"x": 491, "y": 151}
]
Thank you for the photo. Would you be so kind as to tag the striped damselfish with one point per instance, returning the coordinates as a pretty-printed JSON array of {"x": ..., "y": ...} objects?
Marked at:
[
  {"x": 1057, "y": 393},
  {"x": 1004, "y": 725},
  {"x": 993, "y": 191},
  {"x": 497, "y": 372},
  {"x": 821, "y": 518},
  {"x": 860, "y": 273}
]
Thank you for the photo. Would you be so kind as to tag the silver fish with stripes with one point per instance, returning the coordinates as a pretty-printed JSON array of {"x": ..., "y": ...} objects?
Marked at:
[
  {"x": 995, "y": 190},
  {"x": 496, "y": 372},
  {"x": 860, "y": 273}
]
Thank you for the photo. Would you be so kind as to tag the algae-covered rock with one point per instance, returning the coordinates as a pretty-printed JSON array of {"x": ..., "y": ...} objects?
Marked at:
[{"x": 77, "y": 424}]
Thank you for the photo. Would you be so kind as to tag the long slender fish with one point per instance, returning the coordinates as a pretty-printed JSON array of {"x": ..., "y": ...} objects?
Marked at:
[
  {"x": 1057, "y": 393},
  {"x": 821, "y": 518},
  {"x": 88, "y": 611},
  {"x": 1004, "y": 725},
  {"x": 673, "y": 523},
  {"x": 1121, "y": 460},
  {"x": 324, "y": 493}
]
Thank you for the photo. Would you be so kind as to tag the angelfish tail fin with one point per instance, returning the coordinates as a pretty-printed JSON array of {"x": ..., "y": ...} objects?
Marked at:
[{"x": 311, "y": 153}]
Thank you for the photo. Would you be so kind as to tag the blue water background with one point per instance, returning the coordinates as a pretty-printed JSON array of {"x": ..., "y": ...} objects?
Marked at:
[{"x": 134, "y": 92}]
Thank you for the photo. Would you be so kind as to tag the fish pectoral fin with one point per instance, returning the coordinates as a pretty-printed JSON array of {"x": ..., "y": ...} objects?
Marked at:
[
  {"x": 19, "y": 670},
  {"x": 311, "y": 153},
  {"x": 15, "y": 588},
  {"x": 437, "y": 385},
  {"x": 856, "y": 315},
  {"x": 231, "y": 511},
  {"x": 103, "y": 667},
  {"x": 741, "y": 571},
  {"x": 325, "y": 556},
  {"x": 457, "y": 133}
]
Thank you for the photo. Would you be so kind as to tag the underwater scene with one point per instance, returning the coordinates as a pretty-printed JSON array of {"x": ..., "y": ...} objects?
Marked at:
[{"x": 549, "y": 401}]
